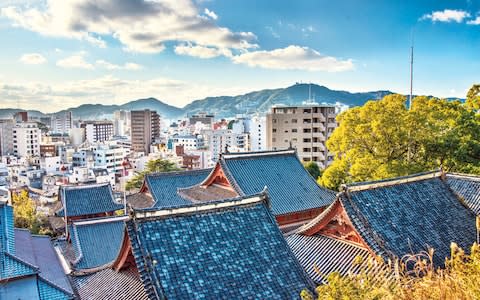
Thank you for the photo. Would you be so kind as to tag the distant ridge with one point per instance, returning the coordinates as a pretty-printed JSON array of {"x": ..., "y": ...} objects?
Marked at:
[{"x": 223, "y": 106}]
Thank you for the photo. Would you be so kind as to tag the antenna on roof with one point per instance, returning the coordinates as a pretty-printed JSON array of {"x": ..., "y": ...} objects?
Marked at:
[{"x": 411, "y": 73}]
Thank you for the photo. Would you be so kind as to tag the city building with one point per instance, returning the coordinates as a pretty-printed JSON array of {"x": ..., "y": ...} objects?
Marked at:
[
  {"x": 26, "y": 139},
  {"x": 6, "y": 136},
  {"x": 203, "y": 118},
  {"x": 61, "y": 122},
  {"x": 97, "y": 131},
  {"x": 220, "y": 139},
  {"x": 48, "y": 150},
  {"x": 145, "y": 129},
  {"x": 257, "y": 129},
  {"x": 305, "y": 128},
  {"x": 109, "y": 157},
  {"x": 121, "y": 121}
]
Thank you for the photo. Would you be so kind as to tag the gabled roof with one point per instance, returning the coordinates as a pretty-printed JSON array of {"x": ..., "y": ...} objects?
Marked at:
[
  {"x": 320, "y": 255},
  {"x": 290, "y": 187},
  {"x": 164, "y": 186},
  {"x": 227, "y": 249},
  {"x": 96, "y": 242},
  {"x": 408, "y": 215},
  {"x": 84, "y": 200},
  {"x": 467, "y": 187}
]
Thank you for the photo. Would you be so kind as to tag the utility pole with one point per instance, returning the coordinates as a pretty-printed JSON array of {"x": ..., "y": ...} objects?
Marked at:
[{"x": 411, "y": 75}]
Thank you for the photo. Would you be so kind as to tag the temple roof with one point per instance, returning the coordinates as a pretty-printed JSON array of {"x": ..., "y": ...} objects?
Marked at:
[
  {"x": 407, "y": 215},
  {"x": 164, "y": 186},
  {"x": 23, "y": 254},
  {"x": 320, "y": 255},
  {"x": 467, "y": 187},
  {"x": 227, "y": 249},
  {"x": 96, "y": 242},
  {"x": 290, "y": 187},
  {"x": 84, "y": 200}
]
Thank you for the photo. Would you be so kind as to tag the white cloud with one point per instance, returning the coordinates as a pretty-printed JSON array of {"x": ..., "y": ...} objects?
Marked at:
[
  {"x": 211, "y": 14},
  {"x": 127, "y": 66},
  {"x": 293, "y": 58},
  {"x": 141, "y": 25},
  {"x": 106, "y": 90},
  {"x": 75, "y": 61},
  {"x": 200, "y": 51},
  {"x": 447, "y": 15},
  {"x": 33, "y": 59},
  {"x": 475, "y": 21}
]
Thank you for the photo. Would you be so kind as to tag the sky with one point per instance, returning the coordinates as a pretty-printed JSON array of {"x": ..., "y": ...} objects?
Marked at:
[{"x": 57, "y": 54}]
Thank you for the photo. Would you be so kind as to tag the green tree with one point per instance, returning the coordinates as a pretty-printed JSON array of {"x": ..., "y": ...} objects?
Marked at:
[
  {"x": 25, "y": 215},
  {"x": 153, "y": 166},
  {"x": 473, "y": 97},
  {"x": 384, "y": 139},
  {"x": 313, "y": 169}
]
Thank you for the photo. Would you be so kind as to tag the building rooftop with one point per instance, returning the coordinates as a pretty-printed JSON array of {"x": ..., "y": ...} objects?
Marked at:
[
  {"x": 467, "y": 188},
  {"x": 290, "y": 187},
  {"x": 96, "y": 242},
  {"x": 164, "y": 186},
  {"x": 84, "y": 200},
  {"x": 227, "y": 249}
]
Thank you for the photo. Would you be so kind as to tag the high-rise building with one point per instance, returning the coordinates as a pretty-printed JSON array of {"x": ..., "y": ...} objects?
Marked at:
[
  {"x": 26, "y": 139},
  {"x": 61, "y": 122},
  {"x": 145, "y": 129},
  {"x": 305, "y": 128},
  {"x": 6, "y": 136},
  {"x": 121, "y": 120},
  {"x": 203, "y": 118},
  {"x": 97, "y": 131}
]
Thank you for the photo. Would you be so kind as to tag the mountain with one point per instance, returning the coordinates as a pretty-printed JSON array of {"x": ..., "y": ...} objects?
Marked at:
[
  {"x": 224, "y": 106},
  {"x": 261, "y": 101}
]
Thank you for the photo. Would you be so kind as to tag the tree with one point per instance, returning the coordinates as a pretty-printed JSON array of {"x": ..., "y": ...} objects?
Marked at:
[
  {"x": 24, "y": 212},
  {"x": 473, "y": 97},
  {"x": 313, "y": 169},
  {"x": 384, "y": 139},
  {"x": 153, "y": 166}
]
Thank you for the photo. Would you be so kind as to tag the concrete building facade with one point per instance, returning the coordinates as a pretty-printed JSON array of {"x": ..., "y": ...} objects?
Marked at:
[
  {"x": 26, "y": 139},
  {"x": 97, "y": 131},
  {"x": 145, "y": 129},
  {"x": 305, "y": 127}
]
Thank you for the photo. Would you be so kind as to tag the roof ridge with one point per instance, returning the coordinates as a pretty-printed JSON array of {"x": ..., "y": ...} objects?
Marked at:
[
  {"x": 257, "y": 153},
  {"x": 18, "y": 259},
  {"x": 230, "y": 177},
  {"x": 100, "y": 220},
  {"x": 463, "y": 175},
  {"x": 84, "y": 186},
  {"x": 360, "y": 186},
  {"x": 202, "y": 207},
  {"x": 54, "y": 285},
  {"x": 176, "y": 173}
]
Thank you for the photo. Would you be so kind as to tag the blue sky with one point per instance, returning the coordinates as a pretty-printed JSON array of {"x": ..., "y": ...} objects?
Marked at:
[{"x": 57, "y": 54}]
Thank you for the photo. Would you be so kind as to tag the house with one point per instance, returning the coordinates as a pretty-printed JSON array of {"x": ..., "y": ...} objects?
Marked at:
[
  {"x": 388, "y": 218},
  {"x": 295, "y": 195},
  {"x": 231, "y": 249},
  {"x": 29, "y": 266},
  {"x": 467, "y": 188}
]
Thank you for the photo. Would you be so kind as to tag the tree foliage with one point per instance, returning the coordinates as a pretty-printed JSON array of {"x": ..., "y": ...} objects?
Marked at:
[
  {"x": 458, "y": 280},
  {"x": 153, "y": 166},
  {"x": 384, "y": 139},
  {"x": 473, "y": 97},
  {"x": 313, "y": 169}
]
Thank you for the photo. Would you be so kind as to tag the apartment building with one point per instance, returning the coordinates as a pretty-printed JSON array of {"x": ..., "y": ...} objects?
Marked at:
[
  {"x": 26, "y": 139},
  {"x": 305, "y": 127},
  {"x": 145, "y": 129},
  {"x": 97, "y": 131},
  {"x": 61, "y": 122}
]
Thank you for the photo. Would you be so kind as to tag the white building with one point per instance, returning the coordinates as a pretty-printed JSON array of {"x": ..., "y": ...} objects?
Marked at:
[
  {"x": 61, "y": 122},
  {"x": 97, "y": 131},
  {"x": 189, "y": 142},
  {"x": 51, "y": 164},
  {"x": 121, "y": 123},
  {"x": 3, "y": 174},
  {"x": 6, "y": 136},
  {"x": 82, "y": 175},
  {"x": 77, "y": 136},
  {"x": 219, "y": 140},
  {"x": 26, "y": 139},
  {"x": 110, "y": 157}
]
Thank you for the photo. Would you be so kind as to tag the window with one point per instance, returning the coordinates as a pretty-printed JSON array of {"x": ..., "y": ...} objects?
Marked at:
[
  {"x": 294, "y": 120},
  {"x": 307, "y": 150},
  {"x": 307, "y": 130},
  {"x": 294, "y": 130},
  {"x": 307, "y": 140},
  {"x": 274, "y": 130}
]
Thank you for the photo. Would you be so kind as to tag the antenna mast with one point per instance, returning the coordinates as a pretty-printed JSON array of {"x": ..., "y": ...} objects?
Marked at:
[{"x": 411, "y": 76}]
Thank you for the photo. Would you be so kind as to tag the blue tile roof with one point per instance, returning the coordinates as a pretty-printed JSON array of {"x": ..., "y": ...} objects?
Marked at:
[
  {"x": 219, "y": 250},
  {"x": 96, "y": 243},
  {"x": 12, "y": 266},
  {"x": 48, "y": 291},
  {"x": 87, "y": 199},
  {"x": 467, "y": 188},
  {"x": 290, "y": 186},
  {"x": 164, "y": 186},
  {"x": 321, "y": 255},
  {"x": 7, "y": 240},
  {"x": 397, "y": 218}
]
